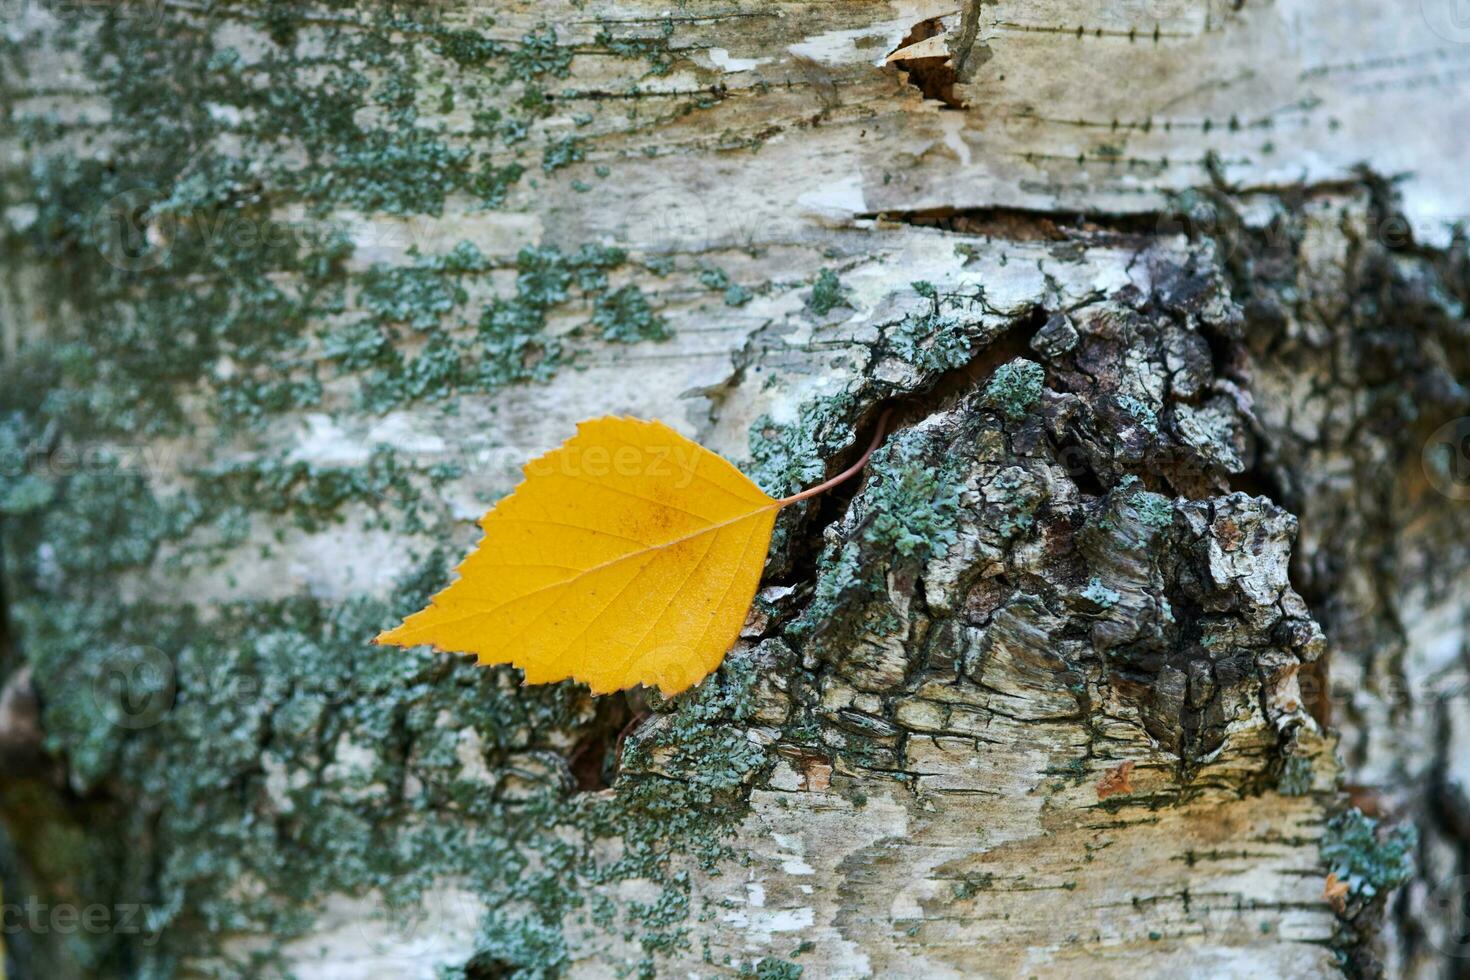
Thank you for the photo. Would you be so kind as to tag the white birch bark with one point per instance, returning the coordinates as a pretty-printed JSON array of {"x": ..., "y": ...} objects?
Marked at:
[{"x": 1083, "y": 730}]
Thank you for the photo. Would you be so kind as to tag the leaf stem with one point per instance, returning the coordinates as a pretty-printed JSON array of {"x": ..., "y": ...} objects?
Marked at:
[{"x": 846, "y": 474}]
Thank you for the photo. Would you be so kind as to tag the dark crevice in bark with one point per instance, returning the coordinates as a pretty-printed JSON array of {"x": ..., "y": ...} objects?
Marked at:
[
  {"x": 593, "y": 761},
  {"x": 1074, "y": 458},
  {"x": 487, "y": 967},
  {"x": 948, "y": 388},
  {"x": 21, "y": 745},
  {"x": 1027, "y": 224},
  {"x": 6, "y": 651},
  {"x": 1259, "y": 481},
  {"x": 904, "y": 409},
  {"x": 1450, "y": 802}
]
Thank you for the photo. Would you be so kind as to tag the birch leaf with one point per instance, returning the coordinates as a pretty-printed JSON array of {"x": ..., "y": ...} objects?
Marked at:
[{"x": 629, "y": 555}]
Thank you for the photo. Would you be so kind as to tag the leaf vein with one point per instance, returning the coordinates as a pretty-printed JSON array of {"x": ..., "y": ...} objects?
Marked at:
[{"x": 595, "y": 568}]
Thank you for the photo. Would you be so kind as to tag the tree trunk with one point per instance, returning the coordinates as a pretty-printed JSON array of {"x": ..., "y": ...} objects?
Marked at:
[{"x": 1138, "y": 650}]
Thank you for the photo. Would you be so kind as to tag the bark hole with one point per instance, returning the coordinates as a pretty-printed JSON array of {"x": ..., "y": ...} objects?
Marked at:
[
  {"x": 934, "y": 75},
  {"x": 594, "y": 761}
]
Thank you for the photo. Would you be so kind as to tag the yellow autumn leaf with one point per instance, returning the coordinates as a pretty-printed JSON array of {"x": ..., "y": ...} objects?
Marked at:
[{"x": 628, "y": 556}]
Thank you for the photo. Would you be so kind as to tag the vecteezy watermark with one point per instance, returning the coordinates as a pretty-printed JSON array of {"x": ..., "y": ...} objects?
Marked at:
[
  {"x": 135, "y": 686},
  {"x": 683, "y": 217},
  {"x": 1451, "y": 899},
  {"x": 133, "y": 234},
  {"x": 672, "y": 461},
  {"x": 1446, "y": 459},
  {"x": 36, "y": 917},
  {"x": 1450, "y": 19},
  {"x": 63, "y": 460},
  {"x": 395, "y": 925},
  {"x": 143, "y": 13}
]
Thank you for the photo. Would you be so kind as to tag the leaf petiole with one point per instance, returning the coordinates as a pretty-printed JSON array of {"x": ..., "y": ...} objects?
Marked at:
[{"x": 846, "y": 474}]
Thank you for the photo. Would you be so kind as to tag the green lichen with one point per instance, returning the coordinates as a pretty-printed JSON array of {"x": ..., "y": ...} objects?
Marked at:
[
  {"x": 183, "y": 272},
  {"x": 311, "y": 496},
  {"x": 1296, "y": 776},
  {"x": 827, "y": 293},
  {"x": 909, "y": 514},
  {"x": 913, "y": 503},
  {"x": 932, "y": 340},
  {"x": 790, "y": 456},
  {"x": 24, "y": 486},
  {"x": 1014, "y": 498},
  {"x": 539, "y": 54},
  {"x": 212, "y": 291},
  {"x": 367, "y": 139},
  {"x": 771, "y": 968},
  {"x": 717, "y": 279},
  {"x": 1153, "y": 509},
  {"x": 625, "y": 316},
  {"x": 654, "y": 50},
  {"x": 510, "y": 342},
  {"x": 938, "y": 338},
  {"x": 718, "y": 757},
  {"x": 1015, "y": 388},
  {"x": 1139, "y": 411},
  {"x": 1370, "y": 858},
  {"x": 563, "y": 153},
  {"x": 1101, "y": 595},
  {"x": 420, "y": 295}
]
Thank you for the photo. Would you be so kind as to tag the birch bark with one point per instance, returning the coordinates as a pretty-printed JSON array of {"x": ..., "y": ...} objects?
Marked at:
[{"x": 1139, "y": 650}]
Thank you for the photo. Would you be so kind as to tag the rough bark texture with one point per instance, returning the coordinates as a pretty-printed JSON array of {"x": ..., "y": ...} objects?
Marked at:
[{"x": 1139, "y": 650}]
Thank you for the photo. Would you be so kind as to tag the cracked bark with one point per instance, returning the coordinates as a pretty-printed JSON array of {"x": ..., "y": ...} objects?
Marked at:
[{"x": 1149, "y": 583}]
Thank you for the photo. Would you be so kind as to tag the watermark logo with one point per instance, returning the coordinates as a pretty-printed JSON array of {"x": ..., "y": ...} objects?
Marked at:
[
  {"x": 135, "y": 687},
  {"x": 1450, "y": 19},
  {"x": 68, "y": 459},
  {"x": 145, "y": 13},
  {"x": 1446, "y": 459},
  {"x": 1451, "y": 900},
  {"x": 680, "y": 217},
  {"x": 402, "y": 926},
  {"x": 131, "y": 234},
  {"x": 39, "y": 918}
]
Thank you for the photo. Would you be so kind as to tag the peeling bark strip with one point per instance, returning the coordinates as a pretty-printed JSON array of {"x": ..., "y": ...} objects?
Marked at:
[{"x": 291, "y": 292}]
